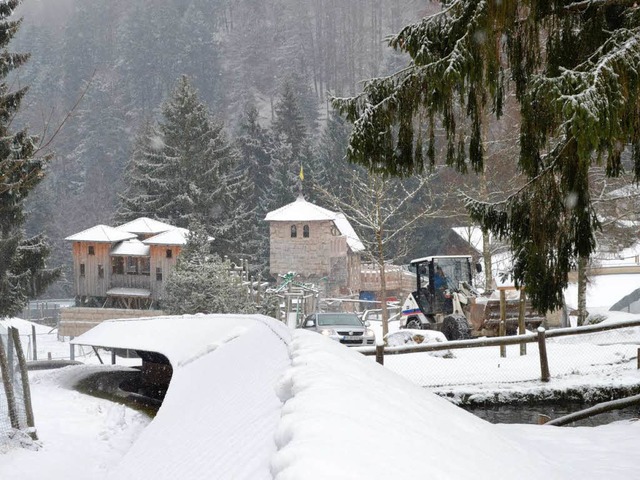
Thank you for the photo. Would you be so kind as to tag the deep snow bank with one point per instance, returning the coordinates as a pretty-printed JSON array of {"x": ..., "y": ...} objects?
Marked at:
[
  {"x": 345, "y": 417},
  {"x": 262, "y": 402}
]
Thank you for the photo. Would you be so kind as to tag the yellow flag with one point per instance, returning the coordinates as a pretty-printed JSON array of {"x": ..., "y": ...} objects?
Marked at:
[{"x": 301, "y": 173}]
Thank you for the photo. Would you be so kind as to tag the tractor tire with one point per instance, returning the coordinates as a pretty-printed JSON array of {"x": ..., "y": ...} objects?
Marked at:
[
  {"x": 414, "y": 323},
  {"x": 456, "y": 327}
]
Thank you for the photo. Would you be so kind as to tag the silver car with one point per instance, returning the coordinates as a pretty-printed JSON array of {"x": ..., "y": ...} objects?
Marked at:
[{"x": 346, "y": 328}]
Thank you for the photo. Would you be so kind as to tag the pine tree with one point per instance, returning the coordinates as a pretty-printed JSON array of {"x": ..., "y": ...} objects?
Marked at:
[
  {"x": 22, "y": 272},
  {"x": 253, "y": 143},
  {"x": 202, "y": 282},
  {"x": 184, "y": 169},
  {"x": 334, "y": 171},
  {"x": 134, "y": 201},
  {"x": 254, "y": 146},
  {"x": 284, "y": 183},
  {"x": 289, "y": 123},
  {"x": 574, "y": 67}
]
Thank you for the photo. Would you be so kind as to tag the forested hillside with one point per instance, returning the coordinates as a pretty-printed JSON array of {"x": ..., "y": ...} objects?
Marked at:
[{"x": 112, "y": 64}]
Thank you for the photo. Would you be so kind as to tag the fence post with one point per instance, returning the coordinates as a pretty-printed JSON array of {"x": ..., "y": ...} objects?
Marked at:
[
  {"x": 72, "y": 351},
  {"x": 113, "y": 356},
  {"x": 8, "y": 385},
  {"x": 380, "y": 353},
  {"x": 521, "y": 326},
  {"x": 35, "y": 347},
  {"x": 24, "y": 376},
  {"x": 544, "y": 361},
  {"x": 503, "y": 321},
  {"x": 10, "y": 353}
]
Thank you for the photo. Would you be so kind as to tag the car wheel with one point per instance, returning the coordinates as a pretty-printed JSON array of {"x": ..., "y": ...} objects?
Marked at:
[
  {"x": 456, "y": 327},
  {"x": 414, "y": 323}
]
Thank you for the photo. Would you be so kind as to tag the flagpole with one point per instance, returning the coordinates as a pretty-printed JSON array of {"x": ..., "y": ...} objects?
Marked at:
[{"x": 301, "y": 177}]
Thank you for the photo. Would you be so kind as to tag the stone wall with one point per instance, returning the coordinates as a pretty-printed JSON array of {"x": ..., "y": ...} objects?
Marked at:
[
  {"x": 74, "y": 321},
  {"x": 307, "y": 256},
  {"x": 323, "y": 258}
]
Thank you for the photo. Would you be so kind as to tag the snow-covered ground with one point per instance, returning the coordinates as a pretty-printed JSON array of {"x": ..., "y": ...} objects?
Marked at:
[
  {"x": 603, "y": 291},
  {"x": 264, "y": 402}
]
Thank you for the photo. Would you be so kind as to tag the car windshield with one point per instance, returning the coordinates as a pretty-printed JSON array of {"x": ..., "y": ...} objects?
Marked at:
[{"x": 339, "y": 319}]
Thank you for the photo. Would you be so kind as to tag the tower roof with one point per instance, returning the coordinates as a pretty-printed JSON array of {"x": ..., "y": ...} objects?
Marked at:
[{"x": 302, "y": 211}]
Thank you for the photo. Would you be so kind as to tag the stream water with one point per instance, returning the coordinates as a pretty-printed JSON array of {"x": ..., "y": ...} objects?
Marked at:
[
  {"x": 531, "y": 413},
  {"x": 121, "y": 386}
]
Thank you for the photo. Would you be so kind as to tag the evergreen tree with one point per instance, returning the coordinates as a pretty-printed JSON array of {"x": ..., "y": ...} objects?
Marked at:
[
  {"x": 253, "y": 143},
  {"x": 202, "y": 282},
  {"x": 289, "y": 123},
  {"x": 22, "y": 272},
  {"x": 184, "y": 169},
  {"x": 284, "y": 184},
  {"x": 334, "y": 172},
  {"x": 254, "y": 146},
  {"x": 574, "y": 66}
]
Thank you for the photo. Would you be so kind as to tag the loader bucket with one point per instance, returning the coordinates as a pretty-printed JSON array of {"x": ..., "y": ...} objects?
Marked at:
[{"x": 485, "y": 316}]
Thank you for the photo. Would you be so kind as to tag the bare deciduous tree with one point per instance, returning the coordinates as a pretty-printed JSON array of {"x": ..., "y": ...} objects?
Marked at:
[{"x": 383, "y": 211}]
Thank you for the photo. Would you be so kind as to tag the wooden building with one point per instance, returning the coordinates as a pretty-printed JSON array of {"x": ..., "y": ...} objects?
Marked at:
[
  {"x": 319, "y": 245},
  {"x": 125, "y": 266}
]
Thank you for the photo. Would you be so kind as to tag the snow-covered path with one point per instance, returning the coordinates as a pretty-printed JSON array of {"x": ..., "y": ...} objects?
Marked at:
[{"x": 219, "y": 415}]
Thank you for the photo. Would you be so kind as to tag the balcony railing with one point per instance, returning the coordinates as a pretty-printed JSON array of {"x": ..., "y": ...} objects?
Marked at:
[{"x": 130, "y": 281}]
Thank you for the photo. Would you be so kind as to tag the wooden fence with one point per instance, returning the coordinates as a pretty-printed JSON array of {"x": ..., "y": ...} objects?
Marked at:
[
  {"x": 16, "y": 391},
  {"x": 539, "y": 337}
]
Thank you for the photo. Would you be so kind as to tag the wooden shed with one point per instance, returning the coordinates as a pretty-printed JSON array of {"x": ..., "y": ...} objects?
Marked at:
[{"x": 125, "y": 266}]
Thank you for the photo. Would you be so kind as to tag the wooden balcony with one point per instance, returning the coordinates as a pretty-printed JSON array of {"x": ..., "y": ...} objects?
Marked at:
[{"x": 130, "y": 281}]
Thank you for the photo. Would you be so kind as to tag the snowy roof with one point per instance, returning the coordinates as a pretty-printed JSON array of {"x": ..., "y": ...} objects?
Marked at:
[
  {"x": 303, "y": 211},
  {"x": 472, "y": 235},
  {"x": 347, "y": 230},
  {"x": 145, "y": 226},
  {"x": 177, "y": 236},
  {"x": 131, "y": 248},
  {"x": 101, "y": 233},
  {"x": 435, "y": 257},
  {"x": 128, "y": 292},
  {"x": 160, "y": 334},
  {"x": 300, "y": 211}
]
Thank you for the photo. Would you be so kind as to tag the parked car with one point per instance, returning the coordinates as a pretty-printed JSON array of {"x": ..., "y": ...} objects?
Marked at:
[{"x": 346, "y": 328}]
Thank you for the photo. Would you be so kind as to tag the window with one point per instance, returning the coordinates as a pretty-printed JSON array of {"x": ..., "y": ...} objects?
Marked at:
[
  {"x": 159, "y": 274},
  {"x": 100, "y": 270},
  {"x": 132, "y": 265},
  {"x": 305, "y": 231},
  {"x": 117, "y": 265},
  {"x": 169, "y": 253},
  {"x": 294, "y": 231},
  {"x": 145, "y": 265},
  {"x": 82, "y": 269},
  {"x": 92, "y": 250}
]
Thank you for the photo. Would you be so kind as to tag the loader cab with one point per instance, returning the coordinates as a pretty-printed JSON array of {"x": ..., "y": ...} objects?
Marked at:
[{"x": 436, "y": 278}]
